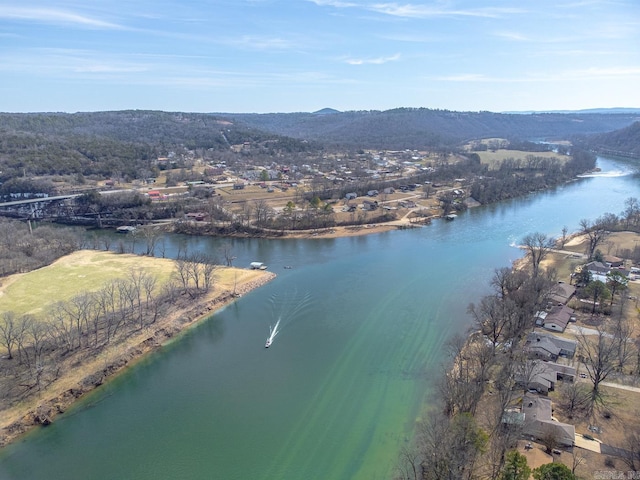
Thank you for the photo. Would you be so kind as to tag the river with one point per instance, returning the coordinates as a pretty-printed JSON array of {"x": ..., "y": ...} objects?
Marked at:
[{"x": 338, "y": 394}]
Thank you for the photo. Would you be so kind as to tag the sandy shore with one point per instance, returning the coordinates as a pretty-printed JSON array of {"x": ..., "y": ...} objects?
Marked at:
[
  {"x": 356, "y": 230},
  {"x": 57, "y": 397}
]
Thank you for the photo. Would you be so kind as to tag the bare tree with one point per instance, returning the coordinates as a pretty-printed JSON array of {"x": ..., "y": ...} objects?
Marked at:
[
  {"x": 623, "y": 334},
  {"x": 600, "y": 356},
  {"x": 9, "y": 332},
  {"x": 182, "y": 272},
  {"x": 409, "y": 463},
  {"x": 595, "y": 231},
  {"x": 563, "y": 239},
  {"x": 63, "y": 326},
  {"x": 78, "y": 309},
  {"x": 506, "y": 281},
  {"x": 151, "y": 236},
  {"x": 617, "y": 282},
  {"x": 106, "y": 302},
  {"x": 451, "y": 447},
  {"x": 632, "y": 449},
  {"x": 574, "y": 398},
  {"x": 578, "y": 457},
  {"x": 208, "y": 271},
  {"x": 493, "y": 317},
  {"x": 460, "y": 386},
  {"x": 227, "y": 253},
  {"x": 631, "y": 213},
  {"x": 549, "y": 437},
  {"x": 262, "y": 212},
  {"x": 538, "y": 246},
  {"x": 37, "y": 337}
]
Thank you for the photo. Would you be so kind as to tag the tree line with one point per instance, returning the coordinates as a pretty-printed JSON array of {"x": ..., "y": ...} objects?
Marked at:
[
  {"x": 515, "y": 178},
  {"x": 24, "y": 248},
  {"x": 88, "y": 323}
]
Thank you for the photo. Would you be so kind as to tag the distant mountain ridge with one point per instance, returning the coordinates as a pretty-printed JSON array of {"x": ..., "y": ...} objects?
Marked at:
[
  {"x": 417, "y": 128},
  {"x": 623, "y": 110},
  {"x": 326, "y": 111},
  {"x": 623, "y": 142}
]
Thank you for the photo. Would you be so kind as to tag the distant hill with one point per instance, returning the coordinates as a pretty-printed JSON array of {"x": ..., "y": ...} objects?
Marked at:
[
  {"x": 326, "y": 111},
  {"x": 125, "y": 143},
  {"x": 633, "y": 111},
  {"x": 417, "y": 128},
  {"x": 623, "y": 142},
  {"x": 122, "y": 142}
]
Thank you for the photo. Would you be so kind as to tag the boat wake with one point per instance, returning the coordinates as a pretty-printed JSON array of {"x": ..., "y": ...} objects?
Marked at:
[
  {"x": 286, "y": 308},
  {"x": 610, "y": 174},
  {"x": 273, "y": 331}
]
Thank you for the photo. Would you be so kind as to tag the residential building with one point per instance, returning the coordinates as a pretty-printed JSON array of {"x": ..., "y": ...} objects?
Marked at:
[
  {"x": 558, "y": 318},
  {"x": 549, "y": 347},
  {"x": 598, "y": 271},
  {"x": 539, "y": 424},
  {"x": 562, "y": 293},
  {"x": 369, "y": 205},
  {"x": 543, "y": 376}
]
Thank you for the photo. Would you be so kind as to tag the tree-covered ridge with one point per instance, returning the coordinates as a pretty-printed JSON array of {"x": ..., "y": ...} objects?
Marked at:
[
  {"x": 625, "y": 141},
  {"x": 118, "y": 143},
  {"x": 418, "y": 128}
]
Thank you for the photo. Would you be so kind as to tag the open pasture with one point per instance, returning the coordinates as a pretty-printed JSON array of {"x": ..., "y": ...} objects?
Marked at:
[{"x": 82, "y": 271}]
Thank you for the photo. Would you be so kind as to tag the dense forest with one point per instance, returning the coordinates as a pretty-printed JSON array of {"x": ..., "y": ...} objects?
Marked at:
[
  {"x": 122, "y": 144},
  {"x": 421, "y": 128},
  {"x": 625, "y": 141},
  {"x": 125, "y": 143}
]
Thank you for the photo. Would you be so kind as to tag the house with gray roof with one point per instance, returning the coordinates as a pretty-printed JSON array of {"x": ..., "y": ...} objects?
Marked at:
[
  {"x": 558, "y": 318},
  {"x": 543, "y": 376},
  {"x": 369, "y": 205},
  {"x": 562, "y": 293},
  {"x": 539, "y": 423},
  {"x": 598, "y": 271},
  {"x": 549, "y": 347}
]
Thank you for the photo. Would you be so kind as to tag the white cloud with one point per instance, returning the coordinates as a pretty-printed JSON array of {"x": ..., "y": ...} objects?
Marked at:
[
  {"x": 53, "y": 16},
  {"x": 261, "y": 43},
  {"x": 466, "y": 77},
  {"x": 410, "y": 10},
  {"x": 333, "y": 3},
  {"x": 518, "y": 37},
  {"x": 373, "y": 61},
  {"x": 608, "y": 72}
]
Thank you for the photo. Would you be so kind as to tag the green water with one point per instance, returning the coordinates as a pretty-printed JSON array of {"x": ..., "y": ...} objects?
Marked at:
[{"x": 363, "y": 321}]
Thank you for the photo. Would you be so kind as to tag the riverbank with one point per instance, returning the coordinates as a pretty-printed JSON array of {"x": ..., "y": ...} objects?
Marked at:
[
  {"x": 83, "y": 371},
  {"x": 613, "y": 445}
]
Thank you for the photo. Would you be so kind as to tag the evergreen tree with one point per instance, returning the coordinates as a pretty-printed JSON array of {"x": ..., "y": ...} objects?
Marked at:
[
  {"x": 515, "y": 467},
  {"x": 553, "y": 471}
]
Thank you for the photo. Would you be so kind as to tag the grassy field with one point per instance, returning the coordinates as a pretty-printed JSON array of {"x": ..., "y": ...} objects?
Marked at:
[{"x": 82, "y": 271}]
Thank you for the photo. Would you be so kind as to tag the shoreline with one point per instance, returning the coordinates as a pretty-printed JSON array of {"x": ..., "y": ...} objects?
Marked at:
[{"x": 58, "y": 397}]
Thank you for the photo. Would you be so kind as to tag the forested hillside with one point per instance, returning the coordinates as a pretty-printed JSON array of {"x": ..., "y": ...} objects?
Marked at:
[
  {"x": 424, "y": 128},
  {"x": 126, "y": 143},
  {"x": 122, "y": 143},
  {"x": 625, "y": 141}
]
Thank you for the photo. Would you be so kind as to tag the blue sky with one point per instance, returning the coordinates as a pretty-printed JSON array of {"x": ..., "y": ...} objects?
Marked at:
[{"x": 304, "y": 55}]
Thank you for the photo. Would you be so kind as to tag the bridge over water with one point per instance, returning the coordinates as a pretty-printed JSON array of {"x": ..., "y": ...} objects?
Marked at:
[{"x": 42, "y": 207}]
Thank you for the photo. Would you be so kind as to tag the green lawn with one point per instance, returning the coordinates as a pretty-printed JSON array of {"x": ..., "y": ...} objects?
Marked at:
[{"x": 82, "y": 271}]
